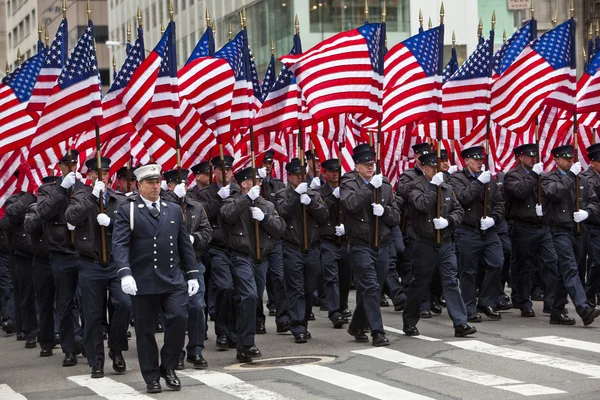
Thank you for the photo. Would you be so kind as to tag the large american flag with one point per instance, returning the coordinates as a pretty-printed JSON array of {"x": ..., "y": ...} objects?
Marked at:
[
  {"x": 269, "y": 80},
  {"x": 588, "y": 88}
]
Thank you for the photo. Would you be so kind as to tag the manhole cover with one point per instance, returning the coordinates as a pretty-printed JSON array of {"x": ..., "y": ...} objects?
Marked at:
[{"x": 282, "y": 362}]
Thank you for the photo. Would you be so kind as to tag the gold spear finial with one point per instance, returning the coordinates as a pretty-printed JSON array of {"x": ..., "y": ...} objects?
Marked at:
[
  {"x": 383, "y": 12},
  {"x": 18, "y": 56},
  {"x": 453, "y": 39},
  {"x": 89, "y": 10},
  {"x": 366, "y": 10},
  {"x": 297, "y": 23},
  {"x": 95, "y": 48},
  {"x": 214, "y": 29},
  {"x": 272, "y": 46},
  {"x": 591, "y": 32},
  {"x": 421, "y": 18},
  {"x": 162, "y": 28},
  {"x": 139, "y": 17},
  {"x": 532, "y": 10},
  {"x": 504, "y": 36},
  {"x": 584, "y": 55},
  {"x": 128, "y": 31},
  {"x": 243, "y": 17},
  {"x": 230, "y": 31},
  {"x": 494, "y": 20},
  {"x": 430, "y": 25},
  {"x": 7, "y": 70},
  {"x": 442, "y": 13},
  {"x": 480, "y": 28},
  {"x": 114, "y": 62},
  {"x": 40, "y": 31},
  {"x": 241, "y": 21},
  {"x": 207, "y": 17},
  {"x": 555, "y": 18},
  {"x": 171, "y": 11},
  {"x": 64, "y": 8},
  {"x": 47, "y": 37},
  {"x": 572, "y": 9}
]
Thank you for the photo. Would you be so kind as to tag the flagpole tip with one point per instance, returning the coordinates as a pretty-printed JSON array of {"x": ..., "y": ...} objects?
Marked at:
[
  {"x": 128, "y": 31},
  {"x": 47, "y": 37},
  {"x": 297, "y": 25},
  {"x": 214, "y": 29},
  {"x": 532, "y": 9},
  {"x": 555, "y": 18},
  {"x": 244, "y": 17},
  {"x": 272, "y": 46},
  {"x": 89, "y": 10},
  {"x": 591, "y": 32},
  {"x": 504, "y": 36},
  {"x": 114, "y": 62},
  {"x": 139, "y": 17},
  {"x": 430, "y": 25},
  {"x": 18, "y": 56},
  {"x": 383, "y": 12},
  {"x": 421, "y": 18},
  {"x": 494, "y": 20},
  {"x": 366, "y": 11},
  {"x": 207, "y": 17},
  {"x": 162, "y": 28},
  {"x": 572, "y": 9},
  {"x": 64, "y": 8},
  {"x": 40, "y": 31},
  {"x": 453, "y": 39},
  {"x": 480, "y": 28},
  {"x": 442, "y": 13},
  {"x": 171, "y": 11},
  {"x": 7, "y": 70},
  {"x": 230, "y": 31},
  {"x": 584, "y": 55}
]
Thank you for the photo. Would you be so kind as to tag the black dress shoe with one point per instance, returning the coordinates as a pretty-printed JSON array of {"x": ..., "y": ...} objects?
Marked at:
[
  {"x": 308, "y": 335},
  {"x": 198, "y": 361},
  {"x": 232, "y": 344},
  {"x": 98, "y": 371},
  {"x": 537, "y": 295},
  {"x": 21, "y": 337},
  {"x": 474, "y": 317},
  {"x": 527, "y": 313},
  {"x": 323, "y": 308},
  {"x": 8, "y": 327},
  {"x": 311, "y": 317},
  {"x": 400, "y": 306},
  {"x": 272, "y": 312},
  {"x": 118, "y": 361},
  {"x": 346, "y": 313},
  {"x": 411, "y": 330},
  {"x": 300, "y": 338},
  {"x": 359, "y": 335},
  {"x": 153, "y": 387},
  {"x": 442, "y": 301},
  {"x": 561, "y": 319},
  {"x": 426, "y": 314},
  {"x": 436, "y": 308},
  {"x": 222, "y": 342},
  {"x": 79, "y": 349},
  {"x": 380, "y": 340},
  {"x": 159, "y": 328},
  {"x": 503, "y": 306},
  {"x": 384, "y": 302},
  {"x": 171, "y": 379},
  {"x": 45, "y": 352},
  {"x": 30, "y": 343},
  {"x": 260, "y": 329},
  {"x": 254, "y": 352},
  {"x": 243, "y": 355},
  {"x": 338, "y": 321},
  {"x": 463, "y": 330},
  {"x": 588, "y": 315},
  {"x": 181, "y": 362},
  {"x": 70, "y": 360},
  {"x": 489, "y": 312},
  {"x": 283, "y": 327}
]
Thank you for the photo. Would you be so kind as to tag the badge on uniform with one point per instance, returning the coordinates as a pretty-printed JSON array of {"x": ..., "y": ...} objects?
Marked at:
[
  {"x": 164, "y": 204},
  {"x": 141, "y": 206},
  {"x": 172, "y": 222}
]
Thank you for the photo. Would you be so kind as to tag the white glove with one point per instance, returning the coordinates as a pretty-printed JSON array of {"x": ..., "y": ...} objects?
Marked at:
[
  {"x": 180, "y": 190},
  {"x": 163, "y": 185},
  {"x": 70, "y": 227},
  {"x": 257, "y": 214},
  {"x": 486, "y": 223},
  {"x": 315, "y": 183},
  {"x": 103, "y": 219},
  {"x": 262, "y": 173},
  {"x": 192, "y": 239},
  {"x": 340, "y": 230},
  {"x": 69, "y": 180},
  {"x": 224, "y": 192},
  {"x": 336, "y": 192},
  {"x": 438, "y": 179},
  {"x": 580, "y": 215},
  {"x": 576, "y": 168},
  {"x": 98, "y": 187},
  {"x": 485, "y": 177},
  {"x": 377, "y": 180},
  {"x": 305, "y": 199},
  {"x": 378, "y": 210},
  {"x": 128, "y": 285},
  {"x": 301, "y": 188},
  {"x": 193, "y": 287},
  {"x": 440, "y": 223},
  {"x": 79, "y": 177},
  {"x": 453, "y": 169},
  {"x": 538, "y": 210},
  {"x": 538, "y": 168},
  {"x": 254, "y": 193}
]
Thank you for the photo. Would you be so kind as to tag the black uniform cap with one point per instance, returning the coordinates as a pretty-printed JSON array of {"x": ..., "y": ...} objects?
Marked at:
[
  {"x": 269, "y": 155},
  {"x": 428, "y": 159},
  {"x": 443, "y": 154},
  {"x": 228, "y": 161},
  {"x": 529, "y": 149},
  {"x": 122, "y": 173},
  {"x": 201, "y": 168},
  {"x": 74, "y": 157},
  {"x": 333, "y": 164},
  {"x": 421, "y": 148},
  {"x": 92, "y": 164},
  {"x": 565, "y": 151},
  {"x": 50, "y": 179},
  {"x": 475, "y": 152},
  {"x": 308, "y": 154},
  {"x": 594, "y": 155},
  {"x": 593, "y": 148},
  {"x": 243, "y": 174},
  {"x": 173, "y": 175},
  {"x": 293, "y": 167}
]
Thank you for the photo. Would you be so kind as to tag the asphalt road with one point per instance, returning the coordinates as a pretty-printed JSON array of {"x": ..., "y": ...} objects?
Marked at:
[{"x": 509, "y": 359}]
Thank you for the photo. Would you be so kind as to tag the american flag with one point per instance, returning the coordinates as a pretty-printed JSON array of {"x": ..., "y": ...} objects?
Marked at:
[
  {"x": 343, "y": 74},
  {"x": 255, "y": 96},
  {"x": 588, "y": 88},
  {"x": 269, "y": 80}
]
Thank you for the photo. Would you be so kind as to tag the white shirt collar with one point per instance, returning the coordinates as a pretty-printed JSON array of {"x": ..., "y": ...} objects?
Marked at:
[{"x": 149, "y": 203}]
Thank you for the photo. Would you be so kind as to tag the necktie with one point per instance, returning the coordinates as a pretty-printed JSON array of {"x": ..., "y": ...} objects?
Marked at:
[{"x": 154, "y": 211}]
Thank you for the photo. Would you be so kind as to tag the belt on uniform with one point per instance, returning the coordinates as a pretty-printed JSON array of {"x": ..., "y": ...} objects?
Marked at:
[
  {"x": 252, "y": 258},
  {"x": 527, "y": 224},
  {"x": 109, "y": 259}
]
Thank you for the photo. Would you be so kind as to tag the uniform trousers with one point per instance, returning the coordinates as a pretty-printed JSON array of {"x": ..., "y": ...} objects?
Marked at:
[
  {"x": 276, "y": 277},
  {"x": 301, "y": 274},
  {"x": 429, "y": 258},
  {"x": 249, "y": 279},
  {"x": 406, "y": 262},
  {"x": 370, "y": 268},
  {"x": 173, "y": 307},
  {"x": 196, "y": 323},
  {"x": 392, "y": 287},
  {"x": 43, "y": 282},
  {"x": 24, "y": 294},
  {"x": 335, "y": 265},
  {"x": 222, "y": 278},
  {"x": 568, "y": 246},
  {"x": 593, "y": 281},
  {"x": 65, "y": 271},
  {"x": 6, "y": 290}
]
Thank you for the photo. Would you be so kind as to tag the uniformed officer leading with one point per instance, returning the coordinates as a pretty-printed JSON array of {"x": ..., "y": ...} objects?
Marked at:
[
  {"x": 592, "y": 175},
  {"x": 144, "y": 222}
]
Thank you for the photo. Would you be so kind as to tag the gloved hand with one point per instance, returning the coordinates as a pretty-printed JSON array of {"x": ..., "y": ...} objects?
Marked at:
[
  {"x": 485, "y": 177},
  {"x": 538, "y": 210},
  {"x": 538, "y": 168},
  {"x": 576, "y": 168},
  {"x": 377, "y": 180},
  {"x": 262, "y": 173},
  {"x": 180, "y": 190},
  {"x": 128, "y": 285},
  {"x": 254, "y": 192},
  {"x": 70, "y": 227},
  {"x": 163, "y": 185},
  {"x": 315, "y": 183},
  {"x": 192, "y": 239},
  {"x": 79, "y": 177},
  {"x": 301, "y": 188},
  {"x": 440, "y": 223},
  {"x": 98, "y": 187},
  {"x": 486, "y": 223},
  {"x": 340, "y": 230},
  {"x": 103, "y": 219},
  {"x": 224, "y": 192},
  {"x": 257, "y": 213},
  {"x": 305, "y": 199},
  {"x": 68, "y": 181},
  {"x": 378, "y": 210},
  {"x": 336, "y": 192},
  {"x": 453, "y": 169},
  {"x": 438, "y": 179},
  {"x": 580, "y": 215},
  {"x": 193, "y": 287}
]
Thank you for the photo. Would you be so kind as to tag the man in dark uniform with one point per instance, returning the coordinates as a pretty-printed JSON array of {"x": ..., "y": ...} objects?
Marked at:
[
  {"x": 151, "y": 244},
  {"x": 431, "y": 255},
  {"x": 563, "y": 211},
  {"x": 200, "y": 234},
  {"x": 202, "y": 177},
  {"x": 241, "y": 212},
  {"x": 592, "y": 176},
  {"x": 370, "y": 263},
  {"x": 302, "y": 260},
  {"x": 476, "y": 236},
  {"x": 97, "y": 269},
  {"x": 53, "y": 200},
  {"x": 121, "y": 181},
  {"x": 6, "y": 284}
]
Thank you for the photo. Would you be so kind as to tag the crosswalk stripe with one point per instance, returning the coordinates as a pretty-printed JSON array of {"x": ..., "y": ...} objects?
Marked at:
[
  {"x": 464, "y": 374},
  {"x": 233, "y": 386},
  {"x": 355, "y": 383},
  {"x": 577, "y": 367},
  {"x": 108, "y": 388},
  {"x": 422, "y": 337},
  {"x": 566, "y": 342},
  {"x": 6, "y": 393}
]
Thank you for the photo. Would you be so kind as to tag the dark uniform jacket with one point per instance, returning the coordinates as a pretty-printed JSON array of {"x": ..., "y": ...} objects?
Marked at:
[
  {"x": 236, "y": 214},
  {"x": 212, "y": 202},
  {"x": 333, "y": 206},
  {"x": 194, "y": 193},
  {"x": 82, "y": 212},
  {"x": 422, "y": 206},
  {"x": 33, "y": 226},
  {"x": 558, "y": 199},
  {"x": 15, "y": 210},
  {"x": 287, "y": 203},
  {"x": 469, "y": 192},
  {"x": 155, "y": 250},
  {"x": 4, "y": 236},
  {"x": 520, "y": 193},
  {"x": 356, "y": 197},
  {"x": 269, "y": 188},
  {"x": 53, "y": 201}
]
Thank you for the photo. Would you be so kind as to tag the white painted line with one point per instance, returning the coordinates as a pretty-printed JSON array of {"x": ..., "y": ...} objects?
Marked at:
[
  {"x": 6, "y": 393},
  {"x": 233, "y": 386},
  {"x": 422, "y": 337},
  {"x": 577, "y": 367},
  {"x": 355, "y": 383},
  {"x": 464, "y": 374},
  {"x": 108, "y": 388},
  {"x": 566, "y": 342}
]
